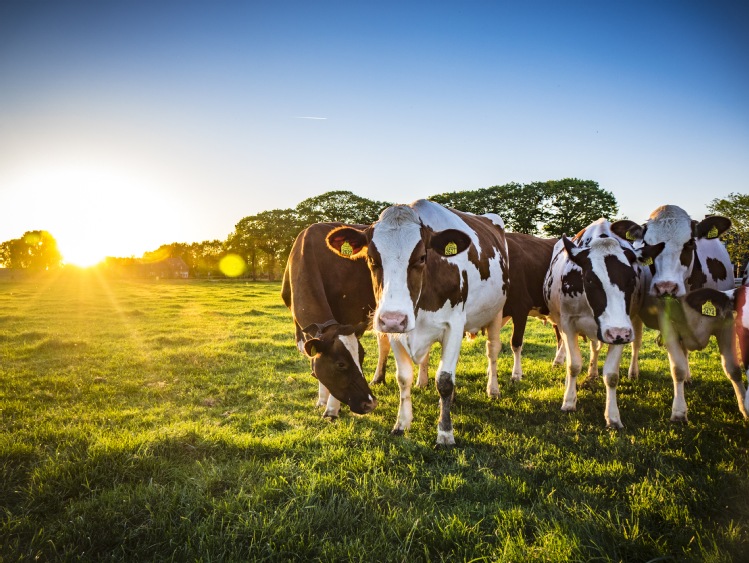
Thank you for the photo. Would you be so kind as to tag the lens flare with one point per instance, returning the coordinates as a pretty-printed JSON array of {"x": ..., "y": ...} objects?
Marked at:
[{"x": 232, "y": 265}]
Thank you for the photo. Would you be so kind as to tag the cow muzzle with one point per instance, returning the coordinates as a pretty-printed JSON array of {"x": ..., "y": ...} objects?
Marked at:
[
  {"x": 617, "y": 335},
  {"x": 391, "y": 321},
  {"x": 364, "y": 407},
  {"x": 666, "y": 289}
]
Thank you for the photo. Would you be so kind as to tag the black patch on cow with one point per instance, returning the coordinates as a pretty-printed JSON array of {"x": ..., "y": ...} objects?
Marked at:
[
  {"x": 464, "y": 290},
  {"x": 622, "y": 276},
  {"x": 572, "y": 283},
  {"x": 417, "y": 265},
  {"x": 717, "y": 269},
  {"x": 441, "y": 283},
  {"x": 687, "y": 253},
  {"x": 697, "y": 279},
  {"x": 374, "y": 261},
  {"x": 594, "y": 293}
]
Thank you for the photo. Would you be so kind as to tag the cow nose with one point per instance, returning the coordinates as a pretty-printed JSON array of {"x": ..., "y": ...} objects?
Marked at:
[
  {"x": 618, "y": 335},
  {"x": 393, "y": 322},
  {"x": 369, "y": 406},
  {"x": 666, "y": 288}
]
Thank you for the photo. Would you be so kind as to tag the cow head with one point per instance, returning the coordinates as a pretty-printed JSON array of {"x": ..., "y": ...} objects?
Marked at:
[
  {"x": 337, "y": 357},
  {"x": 670, "y": 238},
  {"x": 609, "y": 280},
  {"x": 398, "y": 248}
]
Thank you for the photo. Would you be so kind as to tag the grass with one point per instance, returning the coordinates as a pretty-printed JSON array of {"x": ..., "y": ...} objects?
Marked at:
[{"x": 175, "y": 420}]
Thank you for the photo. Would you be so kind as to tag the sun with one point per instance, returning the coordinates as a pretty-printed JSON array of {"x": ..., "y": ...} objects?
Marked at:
[{"x": 82, "y": 256}]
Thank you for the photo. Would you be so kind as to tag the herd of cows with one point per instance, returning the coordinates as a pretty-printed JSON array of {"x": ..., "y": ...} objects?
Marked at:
[{"x": 424, "y": 273}]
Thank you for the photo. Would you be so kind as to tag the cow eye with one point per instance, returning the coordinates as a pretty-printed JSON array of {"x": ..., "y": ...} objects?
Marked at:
[
  {"x": 341, "y": 365},
  {"x": 422, "y": 259}
]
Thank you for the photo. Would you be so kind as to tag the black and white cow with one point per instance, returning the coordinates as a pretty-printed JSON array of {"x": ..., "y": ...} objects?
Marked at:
[
  {"x": 589, "y": 291},
  {"x": 437, "y": 273},
  {"x": 685, "y": 256}
]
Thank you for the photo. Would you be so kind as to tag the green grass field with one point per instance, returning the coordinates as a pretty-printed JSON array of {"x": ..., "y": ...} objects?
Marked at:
[{"x": 164, "y": 420}]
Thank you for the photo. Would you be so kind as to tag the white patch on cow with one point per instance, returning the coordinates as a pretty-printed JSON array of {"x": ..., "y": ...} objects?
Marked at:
[
  {"x": 352, "y": 345},
  {"x": 615, "y": 314},
  {"x": 672, "y": 225},
  {"x": 396, "y": 235}
]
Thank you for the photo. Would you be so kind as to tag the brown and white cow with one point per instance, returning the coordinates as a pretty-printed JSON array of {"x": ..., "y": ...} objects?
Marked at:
[
  {"x": 437, "y": 274},
  {"x": 331, "y": 300},
  {"x": 686, "y": 256},
  {"x": 530, "y": 258},
  {"x": 589, "y": 291}
]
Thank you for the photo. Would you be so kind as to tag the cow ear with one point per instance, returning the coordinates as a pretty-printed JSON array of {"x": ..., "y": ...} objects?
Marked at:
[
  {"x": 627, "y": 230},
  {"x": 631, "y": 256},
  {"x": 449, "y": 242},
  {"x": 347, "y": 242},
  {"x": 711, "y": 302},
  {"x": 648, "y": 253},
  {"x": 313, "y": 347},
  {"x": 711, "y": 227}
]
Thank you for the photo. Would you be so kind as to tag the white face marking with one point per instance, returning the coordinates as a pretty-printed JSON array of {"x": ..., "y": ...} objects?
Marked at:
[
  {"x": 352, "y": 345},
  {"x": 395, "y": 237},
  {"x": 674, "y": 227}
]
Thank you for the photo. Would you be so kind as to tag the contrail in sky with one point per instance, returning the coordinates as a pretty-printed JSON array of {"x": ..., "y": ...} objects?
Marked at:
[{"x": 309, "y": 117}]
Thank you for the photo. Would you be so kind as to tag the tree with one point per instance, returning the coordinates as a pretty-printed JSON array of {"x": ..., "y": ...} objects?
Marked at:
[
  {"x": 342, "y": 206},
  {"x": 35, "y": 250},
  {"x": 572, "y": 204},
  {"x": 736, "y": 208}
]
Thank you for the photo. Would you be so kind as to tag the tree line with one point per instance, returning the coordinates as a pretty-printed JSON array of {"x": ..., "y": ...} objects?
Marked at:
[{"x": 263, "y": 241}]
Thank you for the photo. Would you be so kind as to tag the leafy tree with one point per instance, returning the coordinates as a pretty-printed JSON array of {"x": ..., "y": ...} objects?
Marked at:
[
  {"x": 270, "y": 232},
  {"x": 736, "y": 208},
  {"x": 340, "y": 206},
  {"x": 571, "y": 204},
  {"x": 35, "y": 250}
]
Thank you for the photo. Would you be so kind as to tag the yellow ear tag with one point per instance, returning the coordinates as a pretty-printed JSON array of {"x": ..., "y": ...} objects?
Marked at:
[
  {"x": 629, "y": 236},
  {"x": 347, "y": 249},
  {"x": 713, "y": 233},
  {"x": 647, "y": 261},
  {"x": 451, "y": 249},
  {"x": 708, "y": 309}
]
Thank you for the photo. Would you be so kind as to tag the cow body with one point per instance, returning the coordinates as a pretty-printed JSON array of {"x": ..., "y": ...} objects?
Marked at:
[
  {"x": 437, "y": 273},
  {"x": 331, "y": 300},
  {"x": 530, "y": 258},
  {"x": 686, "y": 256},
  {"x": 589, "y": 291}
]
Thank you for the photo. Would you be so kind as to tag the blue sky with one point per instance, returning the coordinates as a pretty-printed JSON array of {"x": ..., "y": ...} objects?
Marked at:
[{"x": 140, "y": 123}]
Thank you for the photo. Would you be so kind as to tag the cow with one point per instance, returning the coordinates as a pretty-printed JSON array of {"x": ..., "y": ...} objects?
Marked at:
[
  {"x": 706, "y": 312},
  {"x": 530, "y": 258},
  {"x": 437, "y": 273},
  {"x": 331, "y": 301},
  {"x": 685, "y": 255},
  {"x": 742, "y": 319},
  {"x": 589, "y": 291}
]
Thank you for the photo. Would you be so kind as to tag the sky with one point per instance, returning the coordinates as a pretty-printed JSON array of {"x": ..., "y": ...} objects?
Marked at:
[{"x": 125, "y": 125}]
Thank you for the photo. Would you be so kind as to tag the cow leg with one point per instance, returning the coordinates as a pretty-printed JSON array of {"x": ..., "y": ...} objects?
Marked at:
[
  {"x": 634, "y": 363},
  {"x": 518, "y": 331},
  {"x": 574, "y": 365},
  {"x": 611, "y": 379},
  {"x": 679, "y": 372},
  {"x": 493, "y": 345},
  {"x": 423, "y": 379},
  {"x": 383, "y": 349},
  {"x": 731, "y": 367},
  {"x": 595, "y": 350},
  {"x": 561, "y": 355},
  {"x": 446, "y": 382},
  {"x": 332, "y": 405},
  {"x": 404, "y": 374}
]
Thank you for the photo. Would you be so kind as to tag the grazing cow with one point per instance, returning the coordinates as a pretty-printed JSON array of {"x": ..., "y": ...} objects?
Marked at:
[
  {"x": 589, "y": 291},
  {"x": 686, "y": 255},
  {"x": 331, "y": 300},
  {"x": 530, "y": 258},
  {"x": 437, "y": 274},
  {"x": 742, "y": 319}
]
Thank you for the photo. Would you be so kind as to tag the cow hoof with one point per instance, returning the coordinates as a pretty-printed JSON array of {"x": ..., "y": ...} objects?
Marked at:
[
  {"x": 445, "y": 438},
  {"x": 679, "y": 418},
  {"x": 330, "y": 416},
  {"x": 516, "y": 377},
  {"x": 634, "y": 376},
  {"x": 380, "y": 381},
  {"x": 397, "y": 432},
  {"x": 569, "y": 408},
  {"x": 614, "y": 425},
  {"x": 493, "y": 393}
]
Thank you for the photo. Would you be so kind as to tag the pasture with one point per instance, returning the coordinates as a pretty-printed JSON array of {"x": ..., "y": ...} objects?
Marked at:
[{"x": 175, "y": 420}]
